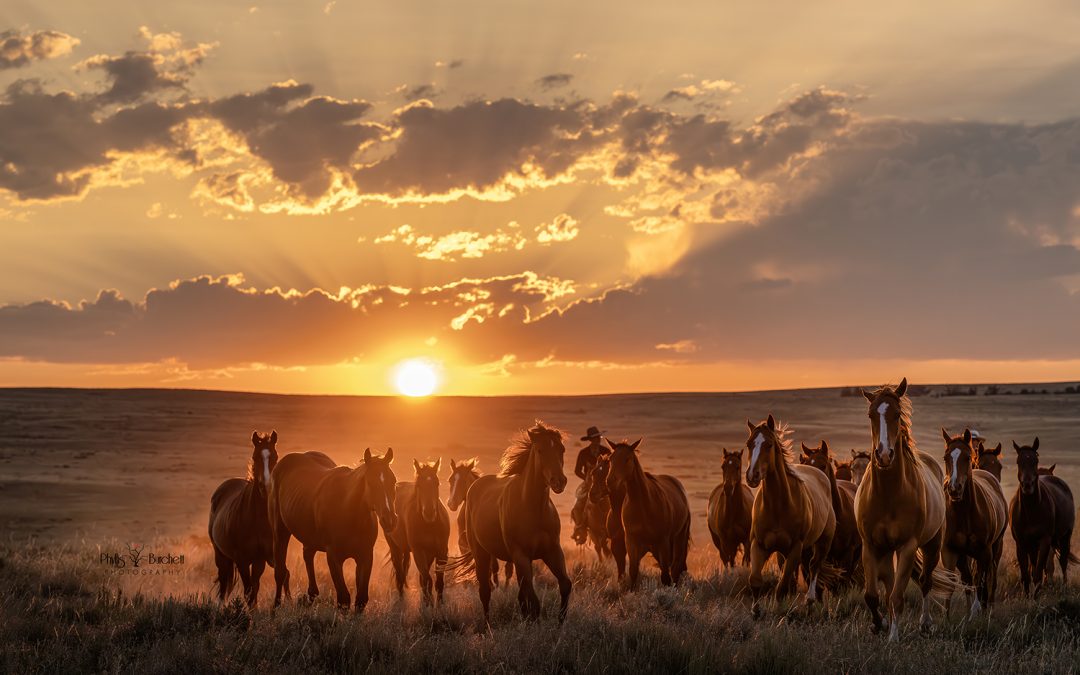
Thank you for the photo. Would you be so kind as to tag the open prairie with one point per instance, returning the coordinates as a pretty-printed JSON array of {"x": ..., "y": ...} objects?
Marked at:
[{"x": 88, "y": 473}]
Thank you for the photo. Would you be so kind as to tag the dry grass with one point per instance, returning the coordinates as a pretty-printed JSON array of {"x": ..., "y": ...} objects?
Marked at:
[{"x": 64, "y": 612}]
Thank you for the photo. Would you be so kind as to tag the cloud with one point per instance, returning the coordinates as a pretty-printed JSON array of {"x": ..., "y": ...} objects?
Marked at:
[
  {"x": 554, "y": 81},
  {"x": 564, "y": 228},
  {"x": 705, "y": 87},
  {"x": 455, "y": 245},
  {"x": 18, "y": 49},
  {"x": 419, "y": 91},
  {"x": 165, "y": 66}
]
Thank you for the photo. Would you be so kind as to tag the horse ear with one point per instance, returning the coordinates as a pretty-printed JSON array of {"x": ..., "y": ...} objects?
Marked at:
[
  {"x": 633, "y": 446},
  {"x": 902, "y": 389},
  {"x": 1035, "y": 445},
  {"x": 1052, "y": 467},
  {"x": 867, "y": 395},
  {"x": 389, "y": 456},
  {"x": 453, "y": 466},
  {"x": 609, "y": 443},
  {"x": 804, "y": 448},
  {"x": 367, "y": 455},
  {"x": 967, "y": 435},
  {"x": 771, "y": 422},
  {"x": 750, "y": 424},
  {"x": 254, "y": 437},
  {"x": 438, "y": 464},
  {"x": 824, "y": 446},
  {"x": 1016, "y": 447},
  {"x": 996, "y": 451},
  {"x": 273, "y": 437},
  {"x": 945, "y": 435},
  {"x": 416, "y": 465}
]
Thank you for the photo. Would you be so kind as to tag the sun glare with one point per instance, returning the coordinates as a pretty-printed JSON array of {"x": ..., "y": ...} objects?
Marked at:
[{"x": 416, "y": 377}]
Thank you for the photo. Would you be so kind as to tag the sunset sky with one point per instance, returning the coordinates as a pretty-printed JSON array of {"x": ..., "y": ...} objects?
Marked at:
[{"x": 557, "y": 197}]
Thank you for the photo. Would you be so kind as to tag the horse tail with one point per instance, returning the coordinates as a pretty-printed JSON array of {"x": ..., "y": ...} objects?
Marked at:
[
  {"x": 830, "y": 576},
  {"x": 459, "y": 567},
  {"x": 943, "y": 583},
  {"x": 226, "y": 576}
]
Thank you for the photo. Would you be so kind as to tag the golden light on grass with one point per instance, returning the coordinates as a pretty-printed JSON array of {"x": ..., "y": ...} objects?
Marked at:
[{"x": 416, "y": 377}]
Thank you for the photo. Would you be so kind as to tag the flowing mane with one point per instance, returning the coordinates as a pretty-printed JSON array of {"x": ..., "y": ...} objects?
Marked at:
[
  {"x": 516, "y": 456},
  {"x": 782, "y": 440},
  {"x": 471, "y": 466},
  {"x": 905, "y": 415}
]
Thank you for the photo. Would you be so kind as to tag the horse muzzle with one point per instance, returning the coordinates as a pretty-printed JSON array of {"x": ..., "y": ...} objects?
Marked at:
[
  {"x": 955, "y": 492},
  {"x": 453, "y": 504},
  {"x": 752, "y": 479},
  {"x": 1028, "y": 487},
  {"x": 389, "y": 521},
  {"x": 883, "y": 457},
  {"x": 557, "y": 484}
]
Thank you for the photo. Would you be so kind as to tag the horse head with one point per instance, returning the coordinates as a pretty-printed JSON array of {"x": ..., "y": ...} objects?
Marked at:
[
  {"x": 621, "y": 462},
  {"x": 1027, "y": 466},
  {"x": 462, "y": 476},
  {"x": 860, "y": 460},
  {"x": 263, "y": 459},
  {"x": 731, "y": 468},
  {"x": 547, "y": 445},
  {"x": 427, "y": 489},
  {"x": 598, "y": 489},
  {"x": 843, "y": 470},
  {"x": 818, "y": 457},
  {"x": 380, "y": 484},
  {"x": 766, "y": 447},
  {"x": 989, "y": 460},
  {"x": 958, "y": 456},
  {"x": 886, "y": 414}
]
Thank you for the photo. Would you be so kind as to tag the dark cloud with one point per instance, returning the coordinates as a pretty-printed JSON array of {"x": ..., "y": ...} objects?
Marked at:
[
  {"x": 417, "y": 92},
  {"x": 135, "y": 75},
  {"x": 554, "y": 81},
  {"x": 18, "y": 49}
]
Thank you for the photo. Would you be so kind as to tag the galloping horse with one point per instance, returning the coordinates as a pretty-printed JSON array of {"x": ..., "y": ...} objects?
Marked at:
[
  {"x": 989, "y": 460},
  {"x": 731, "y": 511},
  {"x": 793, "y": 513},
  {"x": 423, "y": 530},
  {"x": 900, "y": 510},
  {"x": 511, "y": 517},
  {"x": 975, "y": 519},
  {"x": 655, "y": 514},
  {"x": 330, "y": 508},
  {"x": 600, "y": 494},
  {"x": 462, "y": 476},
  {"x": 1041, "y": 516},
  {"x": 846, "y": 547},
  {"x": 860, "y": 462},
  {"x": 239, "y": 529}
]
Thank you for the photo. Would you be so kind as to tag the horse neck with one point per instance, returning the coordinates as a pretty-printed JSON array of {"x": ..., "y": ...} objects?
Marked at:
[
  {"x": 777, "y": 482},
  {"x": 903, "y": 470},
  {"x": 534, "y": 487},
  {"x": 831, "y": 473},
  {"x": 358, "y": 495},
  {"x": 733, "y": 499},
  {"x": 251, "y": 500},
  {"x": 637, "y": 488}
]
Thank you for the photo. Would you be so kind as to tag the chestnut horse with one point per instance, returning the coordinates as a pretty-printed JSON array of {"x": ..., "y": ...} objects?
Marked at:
[
  {"x": 1041, "y": 516},
  {"x": 333, "y": 509},
  {"x": 655, "y": 514},
  {"x": 730, "y": 514},
  {"x": 843, "y": 471},
  {"x": 596, "y": 515},
  {"x": 989, "y": 460},
  {"x": 900, "y": 510},
  {"x": 600, "y": 494},
  {"x": 239, "y": 529},
  {"x": 846, "y": 549},
  {"x": 511, "y": 517},
  {"x": 975, "y": 519},
  {"x": 793, "y": 513},
  {"x": 860, "y": 462},
  {"x": 423, "y": 530},
  {"x": 462, "y": 476}
]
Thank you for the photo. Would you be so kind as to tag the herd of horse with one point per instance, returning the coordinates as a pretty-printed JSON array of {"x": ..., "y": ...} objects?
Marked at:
[{"x": 887, "y": 516}]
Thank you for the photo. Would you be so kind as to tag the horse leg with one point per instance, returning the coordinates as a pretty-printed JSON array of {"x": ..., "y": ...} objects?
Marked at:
[
  {"x": 758, "y": 556},
  {"x": 905, "y": 562},
  {"x": 335, "y": 561},
  {"x": 257, "y": 569},
  {"x": 527, "y": 599},
  {"x": 682, "y": 543},
  {"x": 789, "y": 575},
  {"x": 440, "y": 563},
  {"x": 1023, "y": 559},
  {"x": 1065, "y": 554},
  {"x": 814, "y": 593},
  {"x": 309, "y": 565},
  {"x": 664, "y": 560},
  {"x": 949, "y": 561},
  {"x": 995, "y": 562},
  {"x": 618, "y": 550},
  {"x": 982, "y": 582},
  {"x": 423, "y": 569},
  {"x": 226, "y": 572},
  {"x": 398, "y": 556},
  {"x": 556, "y": 562},
  {"x": 634, "y": 554},
  {"x": 872, "y": 578},
  {"x": 970, "y": 576},
  {"x": 363, "y": 575},
  {"x": 485, "y": 570},
  {"x": 281, "y": 569},
  {"x": 1040, "y": 562},
  {"x": 931, "y": 553}
]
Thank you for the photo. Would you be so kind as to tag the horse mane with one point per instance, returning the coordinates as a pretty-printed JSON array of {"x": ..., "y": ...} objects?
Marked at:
[
  {"x": 782, "y": 440},
  {"x": 470, "y": 465},
  {"x": 905, "y": 416},
  {"x": 251, "y": 469},
  {"x": 516, "y": 456}
]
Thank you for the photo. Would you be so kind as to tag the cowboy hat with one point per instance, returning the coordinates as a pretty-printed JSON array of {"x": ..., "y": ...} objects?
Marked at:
[{"x": 592, "y": 433}]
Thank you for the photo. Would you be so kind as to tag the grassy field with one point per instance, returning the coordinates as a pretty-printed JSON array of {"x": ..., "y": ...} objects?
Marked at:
[{"x": 87, "y": 473}]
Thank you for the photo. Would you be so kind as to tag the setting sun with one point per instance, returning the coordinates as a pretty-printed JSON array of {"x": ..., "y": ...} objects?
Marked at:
[{"x": 416, "y": 377}]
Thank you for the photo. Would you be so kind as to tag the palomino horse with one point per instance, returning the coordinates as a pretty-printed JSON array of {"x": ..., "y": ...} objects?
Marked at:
[
  {"x": 793, "y": 513},
  {"x": 900, "y": 510},
  {"x": 655, "y": 514},
  {"x": 860, "y": 462},
  {"x": 462, "y": 476},
  {"x": 846, "y": 549},
  {"x": 1041, "y": 517},
  {"x": 989, "y": 460},
  {"x": 423, "y": 530},
  {"x": 731, "y": 509},
  {"x": 511, "y": 517},
  {"x": 595, "y": 528},
  {"x": 975, "y": 519},
  {"x": 239, "y": 529},
  {"x": 599, "y": 494},
  {"x": 331, "y": 508}
]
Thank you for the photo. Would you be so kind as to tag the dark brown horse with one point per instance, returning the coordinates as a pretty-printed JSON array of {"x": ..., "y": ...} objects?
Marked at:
[
  {"x": 511, "y": 517},
  {"x": 846, "y": 550},
  {"x": 462, "y": 476},
  {"x": 655, "y": 514},
  {"x": 843, "y": 471},
  {"x": 793, "y": 513},
  {"x": 730, "y": 514},
  {"x": 239, "y": 529},
  {"x": 900, "y": 510},
  {"x": 599, "y": 494},
  {"x": 989, "y": 460},
  {"x": 333, "y": 509},
  {"x": 595, "y": 528},
  {"x": 975, "y": 519},
  {"x": 423, "y": 530},
  {"x": 1041, "y": 516}
]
